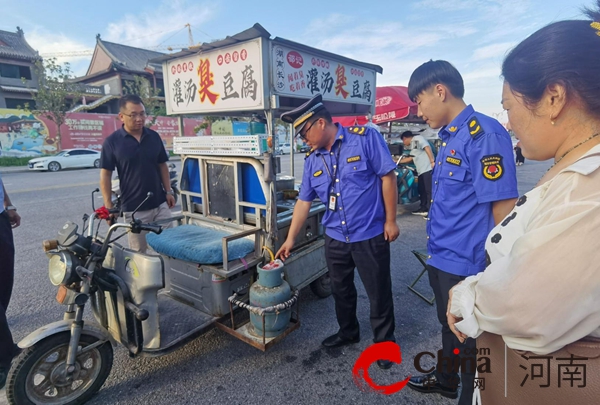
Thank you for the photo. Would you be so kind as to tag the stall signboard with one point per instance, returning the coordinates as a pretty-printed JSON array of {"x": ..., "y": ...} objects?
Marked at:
[
  {"x": 225, "y": 79},
  {"x": 297, "y": 73}
]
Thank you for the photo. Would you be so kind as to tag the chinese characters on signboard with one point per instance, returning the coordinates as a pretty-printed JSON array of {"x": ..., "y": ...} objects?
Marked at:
[
  {"x": 227, "y": 79},
  {"x": 87, "y": 130},
  {"x": 301, "y": 74},
  {"x": 84, "y": 130}
]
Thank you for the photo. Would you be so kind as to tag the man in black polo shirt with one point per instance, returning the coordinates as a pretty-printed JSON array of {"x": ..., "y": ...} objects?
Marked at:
[{"x": 140, "y": 158}]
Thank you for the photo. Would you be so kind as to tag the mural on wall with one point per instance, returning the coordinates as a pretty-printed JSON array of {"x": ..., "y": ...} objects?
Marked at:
[{"x": 24, "y": 135}]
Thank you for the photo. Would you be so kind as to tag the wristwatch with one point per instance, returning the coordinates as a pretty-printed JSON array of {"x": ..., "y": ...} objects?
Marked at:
[
  {"x": 171, "y": 193},
  {"x": 10, "y": 208}
]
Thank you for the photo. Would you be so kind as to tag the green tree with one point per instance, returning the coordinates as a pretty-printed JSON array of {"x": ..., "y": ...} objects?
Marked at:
[
  {"x": 150, "y": 96},
  {"x": 207, "y": 122},
  {"x": 56, "y": 93}
]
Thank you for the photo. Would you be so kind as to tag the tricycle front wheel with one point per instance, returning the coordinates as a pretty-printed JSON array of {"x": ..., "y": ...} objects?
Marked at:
[
  {"x": 38, "y": 375},
  {"x": 321, "y": 287}
]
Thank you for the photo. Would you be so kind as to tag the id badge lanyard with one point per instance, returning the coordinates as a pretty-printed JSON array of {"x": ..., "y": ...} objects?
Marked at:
[{"x": 333, "y": 176}]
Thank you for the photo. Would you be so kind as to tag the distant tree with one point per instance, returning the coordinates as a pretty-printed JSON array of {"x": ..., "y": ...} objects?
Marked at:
[
  {"x": 207, "y": 122},
  {"x": 151, "y": 97},
  {"x": 56, "y": 93}
]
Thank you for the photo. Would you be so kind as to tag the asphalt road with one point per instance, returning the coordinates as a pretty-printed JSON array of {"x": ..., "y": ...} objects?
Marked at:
[{"x": 216, "y": 368}]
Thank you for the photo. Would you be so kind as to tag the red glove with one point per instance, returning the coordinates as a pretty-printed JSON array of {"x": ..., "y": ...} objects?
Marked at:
[{"x": 102, "y": 213}]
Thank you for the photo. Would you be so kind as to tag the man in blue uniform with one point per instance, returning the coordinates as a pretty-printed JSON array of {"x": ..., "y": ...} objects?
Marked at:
[
  {"x": 474, "y": 188},
  {"x": 352, "y": 172}
]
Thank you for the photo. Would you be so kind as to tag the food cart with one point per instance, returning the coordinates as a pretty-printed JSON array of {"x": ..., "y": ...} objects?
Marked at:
[
  {"x": 230, "y": 182},
  {"x": 235, "y": 209}
]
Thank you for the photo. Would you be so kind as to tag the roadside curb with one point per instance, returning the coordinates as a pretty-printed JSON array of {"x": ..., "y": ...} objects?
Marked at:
[
  {"x": 21, "y": 169},
  {"x": 13, "y": 169}
]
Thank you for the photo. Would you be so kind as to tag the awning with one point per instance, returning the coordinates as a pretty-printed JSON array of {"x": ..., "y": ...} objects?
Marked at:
[
  {"x": 391, "y": 104},
  {"x": 18, "y": 89}
]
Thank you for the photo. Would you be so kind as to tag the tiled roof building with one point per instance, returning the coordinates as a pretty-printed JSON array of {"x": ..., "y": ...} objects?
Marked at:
[{"x": 17, "y": 76}]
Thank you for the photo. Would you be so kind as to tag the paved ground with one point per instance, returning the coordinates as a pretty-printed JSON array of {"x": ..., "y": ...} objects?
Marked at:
[{"x": 217, "y": 368}]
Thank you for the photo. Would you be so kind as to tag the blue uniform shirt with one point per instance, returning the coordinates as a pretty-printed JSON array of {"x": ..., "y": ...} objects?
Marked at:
[
  {"x": 474, "y": 168},
  {"x": 352, "y": 171}
]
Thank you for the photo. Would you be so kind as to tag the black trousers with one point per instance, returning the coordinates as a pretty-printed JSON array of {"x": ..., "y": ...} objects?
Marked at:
[
  {"x": 7, "y": 273},
  {"x": 372, "y": 259},
  {"x": 425, "y": 190},
  {"x": 442, "y": 282},
  {"x": 520, "y": 157}
]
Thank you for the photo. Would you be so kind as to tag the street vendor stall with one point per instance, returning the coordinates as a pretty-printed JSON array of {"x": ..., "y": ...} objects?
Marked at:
[
  {"x": 216, "y": 267},
  {"x": 229, "y": 182}
]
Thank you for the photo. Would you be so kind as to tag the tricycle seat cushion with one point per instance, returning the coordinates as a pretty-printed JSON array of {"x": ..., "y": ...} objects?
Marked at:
[{"x": 198, "y": 244}]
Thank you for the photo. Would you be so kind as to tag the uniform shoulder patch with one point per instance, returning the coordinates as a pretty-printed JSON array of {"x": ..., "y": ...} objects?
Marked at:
[
  {"x": 308, "y": 153},
  {"x": 474, "y": 127},
  {"x": 358, "y": 130},
  {"x": 491, "y": 167}
]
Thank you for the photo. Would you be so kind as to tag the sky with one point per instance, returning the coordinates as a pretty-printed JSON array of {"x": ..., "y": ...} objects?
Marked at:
[{"x": 400, "y": 35}]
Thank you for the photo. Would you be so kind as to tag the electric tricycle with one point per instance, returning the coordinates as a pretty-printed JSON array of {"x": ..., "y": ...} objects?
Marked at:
[{"x": 215, "y": 268}]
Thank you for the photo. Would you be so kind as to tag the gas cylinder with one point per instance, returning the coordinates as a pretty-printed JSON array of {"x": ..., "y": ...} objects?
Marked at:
[{"x": 270, "y": 289}]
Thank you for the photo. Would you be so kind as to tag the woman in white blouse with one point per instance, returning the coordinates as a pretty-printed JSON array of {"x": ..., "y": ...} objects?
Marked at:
[{"x": 540, "y": 294}]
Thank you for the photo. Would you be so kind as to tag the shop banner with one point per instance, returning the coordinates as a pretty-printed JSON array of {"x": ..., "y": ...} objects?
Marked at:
[
  {"x": 300, "y": 74},
  {"x": 82, "y": 130}
]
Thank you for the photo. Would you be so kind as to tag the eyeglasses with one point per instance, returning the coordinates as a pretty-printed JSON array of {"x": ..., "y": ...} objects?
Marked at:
[
  {"x": 303, "y": 136},
  {"x": 135, "y": 116}
]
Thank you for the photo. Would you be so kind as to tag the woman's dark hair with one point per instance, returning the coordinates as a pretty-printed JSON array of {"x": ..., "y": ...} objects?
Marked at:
[
  {"x": 564, "y": 52},
  {"x": 435, "y": 72}
]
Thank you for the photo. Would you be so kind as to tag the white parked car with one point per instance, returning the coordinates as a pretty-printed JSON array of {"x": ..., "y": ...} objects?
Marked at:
[
  {"x": 67, "y": 159},
  {"x": 284, "y": 148}
]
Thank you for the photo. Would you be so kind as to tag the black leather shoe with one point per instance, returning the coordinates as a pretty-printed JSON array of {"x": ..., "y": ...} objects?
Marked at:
[
  {"x": 429, "y": 384},
  {"x": 384, "y": 364},
  {"x": 336, "y": 341}
]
